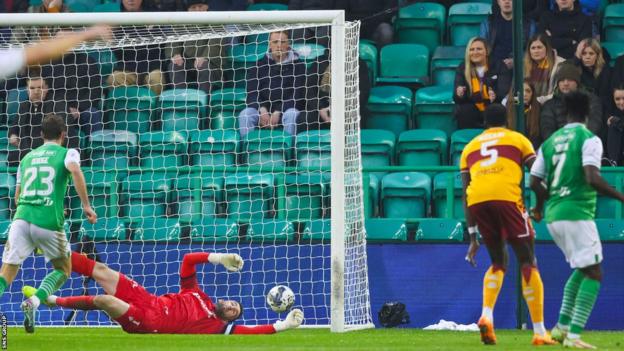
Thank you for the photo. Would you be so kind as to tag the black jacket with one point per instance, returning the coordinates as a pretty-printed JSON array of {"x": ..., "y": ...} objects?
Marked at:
[
  {"x": 553, "y": 115},
  {"x": 497, "y": 77},
  {"x": 364, "y": 10},
  {"x": 615, "y": 136},
  {"x": 599, "y": 86},
  {"x": 75, "y": 80},
  {"x": 140, "y": 59},
  {"x": 567, "y": 29},
  {"x": 311, "y": 4},
  {"x": 533, "y": 9}
]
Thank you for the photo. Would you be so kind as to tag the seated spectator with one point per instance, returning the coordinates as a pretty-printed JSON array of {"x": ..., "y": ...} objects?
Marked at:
[
  {"x": 49, "y": 6},
  {"x": 566, "y": 25},
  {"x": 196, "y": 63},
  {"x": 553, "y": 115},
  {"x": 531, "y": 114},
  {"x": 376, "y": 17},
  {"x": 275, "y": 88},
  {"x": 478, "y": 83},
  {"x": 595, "y": 72},
  {"x": 533, "y": 9},
  {"x": 615, "y": 125},
  {"x": 540, "y": 65}
]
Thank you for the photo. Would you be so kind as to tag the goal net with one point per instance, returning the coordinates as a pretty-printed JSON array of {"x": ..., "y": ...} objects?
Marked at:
[{"x": 203, "y": 132}]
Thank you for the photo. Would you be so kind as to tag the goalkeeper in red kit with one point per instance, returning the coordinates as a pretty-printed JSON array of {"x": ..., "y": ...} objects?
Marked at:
[{"x": 189, "y": 311}]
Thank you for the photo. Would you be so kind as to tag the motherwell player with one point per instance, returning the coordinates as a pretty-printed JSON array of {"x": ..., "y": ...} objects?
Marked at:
[
  {"x": 492, "y": 169},
  {"x": 190, "y": 311}
]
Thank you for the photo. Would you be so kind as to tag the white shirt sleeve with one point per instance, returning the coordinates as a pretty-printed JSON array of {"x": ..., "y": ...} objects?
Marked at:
[
  {"x": 539, "y": 167},
  {"x": 11, "y": 61},
  {"x": 592, "y": 152},
  {"x": 72, "y": 156}
]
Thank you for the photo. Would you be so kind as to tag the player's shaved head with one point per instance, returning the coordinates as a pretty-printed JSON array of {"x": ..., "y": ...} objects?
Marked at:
[
  {"x": 496, "y": 115},
  {"x": 52, "y": 127},
  {"x": 576, "y": 106}
]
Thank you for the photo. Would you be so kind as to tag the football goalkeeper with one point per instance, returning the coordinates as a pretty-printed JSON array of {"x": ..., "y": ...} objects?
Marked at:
[{"x": 190, "y": 311}]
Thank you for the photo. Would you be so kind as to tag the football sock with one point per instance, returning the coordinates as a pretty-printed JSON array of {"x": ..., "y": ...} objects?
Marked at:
[
  {"x": 533, "y": 292},
  {"x": 569, "y": 297},
  {"x": 585, "y": 299},
  {"x": 51, "y": 283},
  {"x": 81, "y": 264},
  {"x": 3, "y": 285},
  {"x": 77, "y": 302},
  {"x": 492, "y": 284}
]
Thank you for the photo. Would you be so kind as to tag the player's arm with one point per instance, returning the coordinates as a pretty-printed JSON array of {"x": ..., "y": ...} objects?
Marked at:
[
  {"x": 472, "y": 225},
  {"x": 592, "y": 156},
  {"x": 18, "y": 185},
  {"x": 188, "y": 273},
  {"x": 536, "y": 183},
  {"x": 293, "y": 320},
  {"x": 72, "y": 163}
]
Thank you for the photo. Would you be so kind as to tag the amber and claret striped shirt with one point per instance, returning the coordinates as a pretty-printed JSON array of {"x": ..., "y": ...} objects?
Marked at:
[{"x": 495, "y": 160}]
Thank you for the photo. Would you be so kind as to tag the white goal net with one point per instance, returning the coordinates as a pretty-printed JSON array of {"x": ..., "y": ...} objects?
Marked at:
[{"x": 203, "y": 132}]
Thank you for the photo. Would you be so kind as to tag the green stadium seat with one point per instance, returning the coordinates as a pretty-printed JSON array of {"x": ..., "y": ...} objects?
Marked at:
[
  {"x": 421, "y": 23},
  {"x": 14, "y": 98},
  {"x": 440, "y": 229},
  {"x": 267, "y": 6},
  {"x": 225, "y": 106},
  {"x": 145, "y": 195},
  {"x": 390, "y": 108},
  {"x": 404, "y": 64},
  {"x": 304, "y": 196},
  {"x": 108, "y": 7},
  {"x": 541, "y": 231},
  {"x": 209, "y": 229},
  {"x": 613, "y": 23},
  {"x": 318, "y": 229},
  {"x": 459, "y": 139},
  {"x": 105, "y": 229},
  {"x": 313, "y": 150},
  {"x": 5, "y": 224},
  {"x": 422, "y": 147},
  {"x": 377, "y": 147},
  {"x": 405, "y": 195},
  {"x": 610, "y": 229},
  {"x": 7, "y": 194},
  {"x": 268, "y": 231},
  {"x": 266, "y": 148},
  {"x": 113, "y": 149},
  {"x": 440, "y": 202},
  {"x": 434, "y": 108},
  {"x": 308, "y": 52},
  {"x": 187, "y": 195},
  {"x": 182, "y": 109},
  {"x": 214, "y": 148},
  {"x": 163, "y": 149},
  {"x": 444, "y": 63},
  {"x": 606, "y": 207},
  {"x": 129, "y": 108},
  {"x": 155, "y": 229},
  {"x": 464, "y": 21},
  {"x": 244, "y": 57},
  {"x": 102, "y": 190},
  {"x": 385, "y": 229},
  {"x": 79, "y": 5},
  {"x": 373, "y": 195},
  {"x": 249, "y": 196},
  {"x": 105, "y": 58},
  {"x": 370, "y": 55},
  {"x": 615, "y": 50}
]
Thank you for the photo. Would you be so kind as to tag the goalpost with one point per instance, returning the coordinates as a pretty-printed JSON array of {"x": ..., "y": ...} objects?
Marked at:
[{"x": 170, "y": 173}]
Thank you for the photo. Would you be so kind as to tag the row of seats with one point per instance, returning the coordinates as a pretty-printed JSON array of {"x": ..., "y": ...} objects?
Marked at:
[{"x": 113, "y": 6}]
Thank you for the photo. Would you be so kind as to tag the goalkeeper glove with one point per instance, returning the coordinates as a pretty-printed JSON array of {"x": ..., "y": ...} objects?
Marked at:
[
  {"x": 231, "y": 262},
  {"x": 293, "y": 320}
]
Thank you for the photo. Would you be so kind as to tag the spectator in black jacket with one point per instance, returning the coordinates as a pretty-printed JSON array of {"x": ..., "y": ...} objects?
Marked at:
[
  {"x": 319, "y": 34},
  {"x": 533, "y": 9},
  {"x": 376, "y": 16},
  {"x": 615, "y": 125},
  {"x": 275, "y": 88},
  {"x": 566, "y": 25},
  {"x": 595, "y": 72}
]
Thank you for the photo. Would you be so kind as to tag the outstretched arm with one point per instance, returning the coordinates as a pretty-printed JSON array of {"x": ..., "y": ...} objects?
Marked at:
[
  {"x": 293, "y": 320},
  {"x": 188, "y": 279}
]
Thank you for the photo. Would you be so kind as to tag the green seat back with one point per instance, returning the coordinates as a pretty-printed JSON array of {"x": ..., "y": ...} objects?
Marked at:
[
  {"x": 444, "y": 63},
  {"x": 268, "y": 231},
  {"x": 198, "y": 197},
  {"x": 108, "y": 7},
  {"x": 163, "y": 149},
  {"x": 440, "y": 202},
  {"x": 369, "y": 54},
  {"x": 182, "y": 109},
  {"x": 249, "y": 196},
  {"x": 267, "y": 148},
  {"x": 459, "y": 139},
  {"x": 214, "y": 148},
  {"x": 7, "y": 191},
  {"x": 5, "y": 225},
  {"x": 390, "y": 108},
  {"x": 313, "y": 149},
  {"x": 377, "y": 147},
  {"x": 304, "y": 196},
  {"x": 434, "y": 108},
  {"x": 613, "y": 23},
  {"x": 385, "y": 229},
  {"x": 244, "y": 57},
  {"x": 421, "y": 23},
  {"x": 269, "y": 6},
  {"x": 113, "y": 149},
  {"x": 610, "y": 229},
  {"x": 224, "y": 107},
  {"x": 129, "y": 108},
  {"x": 440, "y": 229},
  {"x": 317, "y": 229},
  {"x": 373, "y": 195},
  {"x": 79, "y": 5},
  {"x": 464, "y": 21},
  {"x": 541, "y": 231},
  {"x": 405, "y": 194},
  {"x": 404, "y": 64},
  {"x": 156, "y": 229},
  {"x": 308, "y": 52},
  {"x": 209, "y": 229},
  {"x": 146, "y": 195},
  {"x": 14, "y": 98},
  {"x": 105, "y": 229},
  {"x": 422, "y": 147},
  {"x": 105, "y": 58},
  {"x": 615, "y": 50},
  {"x": 103, "y": 193}
]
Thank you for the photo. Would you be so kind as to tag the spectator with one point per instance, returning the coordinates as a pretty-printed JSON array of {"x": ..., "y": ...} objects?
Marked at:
[
  {"x": 553, "y": 115},
  {"x": 615, "y": 125},
  {"x": 533, "y": 9},
  {"x": 195, "y": 63},
  {"x": 49, "y": 6},
  {"x": 228, "y": 5},
  {"x": 595, "y": 72},
  {"x": 162, "y": 5},
  {"x": 320, "y": 34},
  {"x": 497, "y": 30},
  {"x": 275, "y": 88},
  {"x": 376, "y": 16},
  {"x": 478, "y": 83},
  {"x": 540, "y": 65},
  {"x": 531, "y": 114},
  {"x": 566, "y": 25}
]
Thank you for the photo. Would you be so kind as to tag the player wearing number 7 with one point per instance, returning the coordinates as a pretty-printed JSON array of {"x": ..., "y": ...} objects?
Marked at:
[
  {"x": 42, "y": 179},
  {"x": 492, "y": 169}
]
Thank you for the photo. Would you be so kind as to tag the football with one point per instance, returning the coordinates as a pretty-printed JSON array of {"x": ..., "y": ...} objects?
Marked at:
[{"x": 280, "y": 298}]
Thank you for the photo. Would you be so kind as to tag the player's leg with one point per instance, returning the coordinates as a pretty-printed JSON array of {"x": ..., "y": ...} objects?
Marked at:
[
  {"x": 8, "y": 272},
  {"x": 17, "y": 248},
  {"x": 113, "y": 306},
  {"x": 101, "y": 273}
]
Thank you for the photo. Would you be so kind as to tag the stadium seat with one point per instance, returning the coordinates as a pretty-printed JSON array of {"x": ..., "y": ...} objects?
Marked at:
[
  {"x": 214, "y": 148},
  {"x": 610, "y": 229},
  {"x": 182, "y": 109},
  {"x": 422, "y": 147},
  {"x": 440, "y": 200},
  {"x": 607, "y": 207},
  {"x": 224, "y": 107},
  {"x": 249, "y": 196},
  {"x": 105, "y": 58},
  {"x": 434, "y": 108},
  {"x": 244, "y": 57},
  {"x": 613, "y": 23},
  {"x": 390, "y": 108},
  {"x": 7, "y": 194},
  {"x": 105, "y": 229},
  {"x": 439, "y": 229},
  {"x": 159, "y": 150},
  {"x": 80, "y": 5},
  {"x": 108, "y": 7},
  {"x": 313, "y": 150},
  {"x": 155, "y": 229},
  {"x": 459, "y": 139},
  {"x": 14, "y": 98},
  {"x": 102, "y": 190},
  {"x": 464, "y": 21},
  {"x": 385, "y": 229},
  {"x": 541, "y": 231},
  {"x": 209, "y": 229},
  {"x": 267, "y": 148},
  {"x": 308, "y": 52},
  {"x": 377, "y": 147},
  {"x": 615, "y": 50},
  {"x": 5, "y": 224},
  {"x": 113, "y": 149},
  {"x": 145, "y": 195},
  {"x": 421, "y": 23},
  {"x": 268, "y": 6},
  {"x": 197, "y": 197},
  {"x": 444, "y": 63},
  {"x": 373, "y": 195},
  {"x": 129, "y": 108},
  {"x": 304, "y": 196},
  {"x": 404, "y": 64},
  {"x": 318, "y": 229},
  {"x": 268, "y": 231},
  {"x": 369, "y": 54},
  {"x": 405, "y": 195}
]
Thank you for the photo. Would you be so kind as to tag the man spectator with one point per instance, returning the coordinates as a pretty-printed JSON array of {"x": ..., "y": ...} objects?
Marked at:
[
  {"x": 275, "y": 88},
  {"x": 566, "y": 25},
  {"x": 376, "y": 16}
]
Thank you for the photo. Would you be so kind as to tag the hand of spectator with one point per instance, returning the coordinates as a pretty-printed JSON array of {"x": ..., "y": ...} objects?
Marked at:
[
  {"x": 276, "y": 116},
  {"x": 265, "y": 117},
  {"x": 508, "y": 62},
  {"x": 325, "y": 115},
  {"x": 199, "y": 61},
  {"x": 579, "y": 50},
  {"x": 14, "y": 140},
  {"x": 460, "y": 91},
  {"x": 74, "y": 113},
  {"x": 492, "y": 94},
  {"x": 177, "y": 60},
  {"x": 612, "y": 120}
]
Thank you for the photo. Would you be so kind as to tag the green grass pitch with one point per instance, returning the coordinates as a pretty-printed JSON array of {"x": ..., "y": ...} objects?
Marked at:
[{"x": 113, "y": 339}]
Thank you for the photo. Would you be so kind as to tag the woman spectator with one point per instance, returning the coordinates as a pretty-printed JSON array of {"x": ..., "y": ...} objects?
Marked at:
[
  {"x": 531, "y": 114},
  {"x": 566, "y": 25},
  {"x": 478, "y": 83},
  {"x": 540, "y": 65},
  {"x": 615, "y": 125},
  {"x": 595, "y": 72}
]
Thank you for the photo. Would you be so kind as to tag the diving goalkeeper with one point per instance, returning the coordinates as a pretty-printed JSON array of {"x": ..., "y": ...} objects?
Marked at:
[{"x": 190, "y": 311}]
